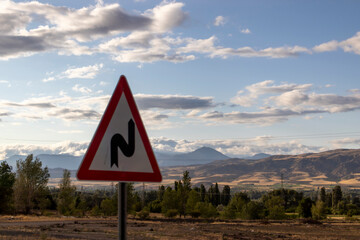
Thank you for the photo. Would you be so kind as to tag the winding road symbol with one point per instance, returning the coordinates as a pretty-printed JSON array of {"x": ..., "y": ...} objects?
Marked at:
[
  {"x": 116, "y": 132},
  {"x": 118, "y": 141}
]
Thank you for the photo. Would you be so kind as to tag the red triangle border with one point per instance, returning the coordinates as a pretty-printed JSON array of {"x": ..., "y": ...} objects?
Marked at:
[{"x": 84, "y": 173}]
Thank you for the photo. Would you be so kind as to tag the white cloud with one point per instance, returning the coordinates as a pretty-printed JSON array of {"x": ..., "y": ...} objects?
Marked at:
[
  {"x": 235, "y": 147},
  {"x": 251, "y": 93},
  {"x": 352, "y": 44},
  {"x": 78, "y": 88},
  {"x": 5, "y": 82},
  {"x": 349, "y": 45},
  {"x": 263, "y": 117},
  {"x": 346, "y": 143},
  {"x": 145, "y": 47},
  {"x": 157, "y": 110},
  {"x": 166, "y": 16},
  {"x": 230, "y": 147},
  {"x": 245, "y": 31},
  {"x": 33, "y": 27},
  {"x": 49, "y": 79},
  {"x": 276, "y": 103},
  {"x": 326, "y": 47},
  {"x": 63, "y": 107},
  {"x": 207, "y": 46},
  {"x": 219, "y": 21},
  {"x": 73, "y": 148},
  {"x": 88, "y": 72}
]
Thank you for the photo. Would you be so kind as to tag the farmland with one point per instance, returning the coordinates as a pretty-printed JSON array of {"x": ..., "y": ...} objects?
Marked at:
[{"x": 32, "y": 227}]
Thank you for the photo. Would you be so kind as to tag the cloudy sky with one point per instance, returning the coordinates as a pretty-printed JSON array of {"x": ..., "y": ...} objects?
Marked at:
[{"x": 243, "y": 77}]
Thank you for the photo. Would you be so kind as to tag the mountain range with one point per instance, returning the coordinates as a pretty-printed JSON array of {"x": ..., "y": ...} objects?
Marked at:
[
  {"x": 207, "y": 166},
  {"x": 199, "y": 156},
  {"x": 341, "y": 166}
]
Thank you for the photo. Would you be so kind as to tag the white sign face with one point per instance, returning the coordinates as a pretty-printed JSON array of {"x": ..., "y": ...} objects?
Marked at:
[
  {"x": 120, "y": 149},
  {"x": 119, "y": 124}
]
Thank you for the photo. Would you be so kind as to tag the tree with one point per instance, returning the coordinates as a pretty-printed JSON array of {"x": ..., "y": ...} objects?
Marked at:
[
  {"x": 66, "y": 194},
  {"x": 291, "y": 198},
  {"x": 170, "y": 201},
  {"x": 336, "y": 196},
  {"x": 7, "y": 180},
  {"x": 304, "y": 208},
  {"x": 275, "y": 207},
  {"x": 322, "y": 194},
  {"x": 30, "y": 184},
  {"x": 236, "y": 204},
  {"x": 214, "y": 195},
  {"x": 192, "y": 200},
  {"x": 161, "y": 193},
  {"x": 252, "y": 210},
  {"x": 186, "y": 181},
  {"x": 202, "y": 193},
  {"x": 225, "y": 195},
  {"x": 206, "y": 210},
  {"x": 183, "y": 187},
  {"x": 109, "y": 207},
  {"x": 318, "y": 210}
]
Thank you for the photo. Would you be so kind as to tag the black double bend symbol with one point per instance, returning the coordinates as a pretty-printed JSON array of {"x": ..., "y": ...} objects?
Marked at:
[{"x": 118, "y": 141}]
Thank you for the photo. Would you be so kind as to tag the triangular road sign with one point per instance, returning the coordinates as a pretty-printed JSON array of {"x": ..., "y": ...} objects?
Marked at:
[{"x": 120, "y": 149}]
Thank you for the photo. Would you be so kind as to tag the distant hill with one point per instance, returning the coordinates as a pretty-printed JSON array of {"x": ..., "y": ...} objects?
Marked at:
[
  {"x": 200, "y": 156},
  {"x": 258, "y": 156},
  {"x": 64, "y": 161},
  {"x": 340, "y": 166},
  {"x": 207, "y": 166}
]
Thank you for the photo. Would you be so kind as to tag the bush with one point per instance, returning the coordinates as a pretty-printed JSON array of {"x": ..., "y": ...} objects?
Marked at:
[
  {"x": 171, "y": 213},
  {"x": 195, "y": 214},
  {"x": 95, "y": 211},
  {"x": 275, "y": 208},
  {"x": 155, "y": 206},
  {"x": 304, "y": 208},
  {"x": 277, "y": 212},
  {"x": 229, "y": 213},
  {"x": 318, "y": 210},
  {"x": 144, "y": 214},
  {"x": 207, "y": 210},
  {"x": 252, "y": 210},
  {"x": 108, "y": 207}
]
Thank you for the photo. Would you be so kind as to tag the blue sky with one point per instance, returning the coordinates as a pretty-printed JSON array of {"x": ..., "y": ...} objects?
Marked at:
[{"x": 243, "y": 77}]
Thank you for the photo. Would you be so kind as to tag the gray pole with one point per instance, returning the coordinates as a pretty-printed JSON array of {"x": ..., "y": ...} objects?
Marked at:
[{"x": 122, "y": 210}]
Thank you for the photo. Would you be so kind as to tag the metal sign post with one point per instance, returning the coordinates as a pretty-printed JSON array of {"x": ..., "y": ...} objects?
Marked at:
[{"x": 122, "y": 210}]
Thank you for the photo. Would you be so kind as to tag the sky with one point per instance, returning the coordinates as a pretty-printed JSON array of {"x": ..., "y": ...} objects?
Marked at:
[{"x": 242, "y": 77}]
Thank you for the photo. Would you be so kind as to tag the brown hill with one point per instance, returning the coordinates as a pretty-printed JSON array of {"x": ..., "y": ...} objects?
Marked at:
[{"x": 341, "y": 166}]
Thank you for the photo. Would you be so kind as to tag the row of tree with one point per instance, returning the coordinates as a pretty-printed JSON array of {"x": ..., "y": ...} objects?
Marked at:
[{"x": 26, "y": 191}]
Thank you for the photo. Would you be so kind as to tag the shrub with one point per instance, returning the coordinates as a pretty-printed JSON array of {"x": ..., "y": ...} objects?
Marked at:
[
  {"x": 304, "y": 208},
  {"x": 195, "y": 214},
  {"x": 144, "y": 214},
  {"x": 155, "y": 206},
  {"x": 95, "y": 211},
  {"x": 207, "y": 210},
  {"x": 277, "y": 212},
  {"x": 171, "y": 213},
  {"x": 229, "y": 213},
  {"x": 252, "y": 210},
  {"x": 318, "y": 210}
]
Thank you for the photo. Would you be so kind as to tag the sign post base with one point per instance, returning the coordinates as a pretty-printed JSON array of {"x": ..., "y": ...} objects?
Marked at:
[{"x": 122, "y": 209}]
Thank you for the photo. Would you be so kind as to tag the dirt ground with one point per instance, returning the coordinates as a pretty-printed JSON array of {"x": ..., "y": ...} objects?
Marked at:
[{"x": 22, "y": 227}]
